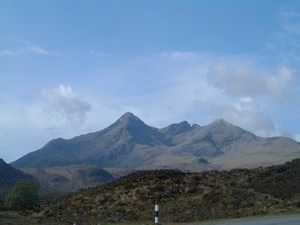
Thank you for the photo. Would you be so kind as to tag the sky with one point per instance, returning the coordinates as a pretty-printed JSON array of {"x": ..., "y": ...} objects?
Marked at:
[{"x": 72, "y": 67}]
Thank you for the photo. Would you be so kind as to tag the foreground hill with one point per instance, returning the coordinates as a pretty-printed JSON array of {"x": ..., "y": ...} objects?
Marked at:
[
  {"x": 9, "y": 176},
  {"x": 184, "y": 197},
  {"x": 129, "y": 143}
]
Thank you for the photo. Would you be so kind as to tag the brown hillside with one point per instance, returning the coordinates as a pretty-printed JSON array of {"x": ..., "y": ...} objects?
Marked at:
[{"x": 185, "y": 196}]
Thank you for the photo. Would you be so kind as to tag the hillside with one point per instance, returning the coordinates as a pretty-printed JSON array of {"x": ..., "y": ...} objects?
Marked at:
[
  {"x": 63, "y": 180},
  {"x": 129, "y": 143},
  {"x": 9, "y": 176},
  {"x": 184, "y": 197}
]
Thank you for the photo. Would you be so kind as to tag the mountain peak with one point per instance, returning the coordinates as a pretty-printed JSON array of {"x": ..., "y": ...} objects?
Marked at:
[
  {"x": 224, "y": 127},
  {"x": 221, "y": 122},
  {"x": 129, "y": 118},
  {"x": 176, "y": 128},
  {"x": 2, "y": 162},
  {"x": 128, "y": 115},
  {"x": 4, "y": 166},
  {"x": 184, "y": 123},
  {"x": 130, "y": 127},
  {"x": 181, "y": 125}
]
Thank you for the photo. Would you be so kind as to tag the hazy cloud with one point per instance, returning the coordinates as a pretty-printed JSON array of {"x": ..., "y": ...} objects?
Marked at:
[
  {"x": 38, "y": 50},
  {"x": 31, "y": 49},
  {"x": 56, "y": 112},
  {"x": 242, "y": 80},
  {"x": 193, "y": 87},
  {"x": 247, "y": 114},
  {"x": 203, "y": 88},
  {"x": 64, "y": 106}
]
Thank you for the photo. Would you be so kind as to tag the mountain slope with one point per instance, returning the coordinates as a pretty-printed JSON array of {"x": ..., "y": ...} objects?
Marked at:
[
  {"x": 107, "y": 147},
  {"x": 9, "y": 176},
  {"x": 260, "y": 152},
  {"x": 129, "y": 143},
  {"x": 185, "y": 197},
  {"x": 62, "y": 180}
]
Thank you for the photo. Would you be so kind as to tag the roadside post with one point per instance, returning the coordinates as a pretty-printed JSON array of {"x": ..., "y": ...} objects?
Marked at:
[{"x": 156, "y": 214}]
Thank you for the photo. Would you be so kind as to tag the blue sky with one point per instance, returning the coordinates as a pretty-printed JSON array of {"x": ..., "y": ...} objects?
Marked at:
[{"x": 72, "y": 67}]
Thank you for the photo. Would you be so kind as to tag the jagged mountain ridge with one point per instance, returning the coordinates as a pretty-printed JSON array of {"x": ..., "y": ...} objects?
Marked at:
[{"x": 130, "y": 143}]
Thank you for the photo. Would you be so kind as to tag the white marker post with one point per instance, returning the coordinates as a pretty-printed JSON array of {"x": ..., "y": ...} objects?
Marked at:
[{"x": 156, "y": 217}]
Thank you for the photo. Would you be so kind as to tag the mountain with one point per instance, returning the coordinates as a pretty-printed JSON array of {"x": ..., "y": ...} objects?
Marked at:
[
  {"x": 129, "y": 144},
  {"x": 9, "y": 176},
  {"x": 63, "y": 180},
  {"x": 184, "y": 197}
]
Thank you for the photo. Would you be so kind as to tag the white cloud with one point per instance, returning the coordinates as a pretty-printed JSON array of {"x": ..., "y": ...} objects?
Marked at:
[
  {"x": 56, "y": 112},
  {"x": 247, "y": 114},
  {"x": 31, "y": 49},
  {"x": 38, "y": 50},
  {"x": 64, "y": 106},
  {"x": 238, "y": 79},
  {"x": 201, "y": 88},
  {"x": 167, "y": 88},
  {"x": 8, "y": 52},
  {"x": 57, "y": 108}
]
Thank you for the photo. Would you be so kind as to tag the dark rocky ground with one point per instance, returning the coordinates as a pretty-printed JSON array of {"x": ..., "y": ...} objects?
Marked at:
[{"x": 183, "y": 197}]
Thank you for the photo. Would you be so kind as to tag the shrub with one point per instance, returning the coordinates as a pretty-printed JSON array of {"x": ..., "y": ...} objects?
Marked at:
[{"x": 24, "y": 195}]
